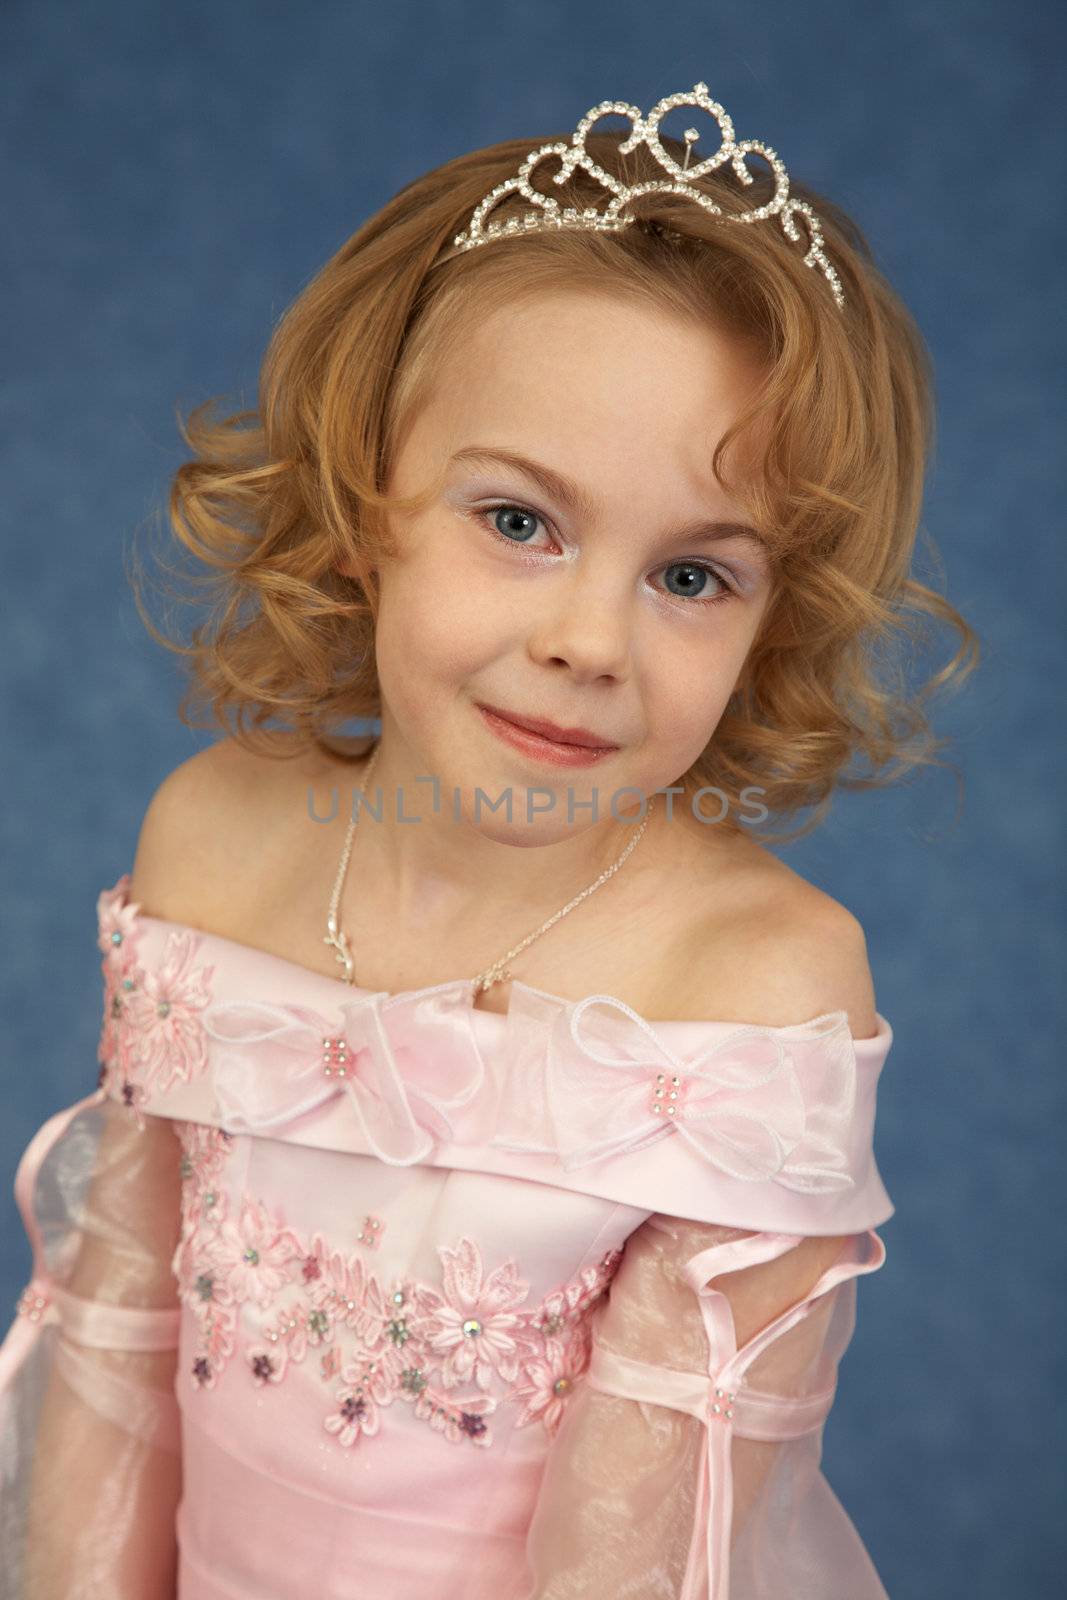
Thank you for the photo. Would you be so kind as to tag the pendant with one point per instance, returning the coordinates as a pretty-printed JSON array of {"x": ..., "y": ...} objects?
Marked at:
[{"x": 338, "y": 940}]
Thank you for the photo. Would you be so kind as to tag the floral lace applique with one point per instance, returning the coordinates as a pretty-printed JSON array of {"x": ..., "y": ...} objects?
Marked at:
[
  {"x": 376, "y": 1343},
  {"x": 151, "y": 1036}
]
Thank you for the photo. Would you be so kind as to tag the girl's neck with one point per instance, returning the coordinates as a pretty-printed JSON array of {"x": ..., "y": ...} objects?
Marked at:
[
  {"x": 441, "y": 867},
  {"x": 672, "y": 909}
]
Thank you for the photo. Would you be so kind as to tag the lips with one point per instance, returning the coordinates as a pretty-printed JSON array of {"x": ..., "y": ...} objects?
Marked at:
[{"x": 583, "y": 737}]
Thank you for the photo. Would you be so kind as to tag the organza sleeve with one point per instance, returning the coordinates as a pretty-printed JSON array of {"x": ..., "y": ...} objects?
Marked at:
[
  {"x": 687, "y": 1461},
  {"x": 90, "y": 1463}
]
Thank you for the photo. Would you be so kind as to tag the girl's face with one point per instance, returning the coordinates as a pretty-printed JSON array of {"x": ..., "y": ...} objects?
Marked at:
[{"x": 584, "y": 588}]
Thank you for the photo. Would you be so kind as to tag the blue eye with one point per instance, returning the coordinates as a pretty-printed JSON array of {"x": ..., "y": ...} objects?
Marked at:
[
  {"x": 699, "y": 566},
  {"x": 487, "y": 516},
  {"x": 494, "y": 511}
]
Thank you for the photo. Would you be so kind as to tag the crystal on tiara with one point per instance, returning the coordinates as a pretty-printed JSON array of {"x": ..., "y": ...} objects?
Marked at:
[{"x": 681, "y": 180}]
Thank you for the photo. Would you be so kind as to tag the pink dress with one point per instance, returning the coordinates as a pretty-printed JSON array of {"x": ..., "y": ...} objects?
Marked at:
[{"x": 438, "y": 1284}]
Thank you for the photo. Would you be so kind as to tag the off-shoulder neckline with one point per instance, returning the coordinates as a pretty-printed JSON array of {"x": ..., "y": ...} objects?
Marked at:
[{"x": 493, "y": 1019}]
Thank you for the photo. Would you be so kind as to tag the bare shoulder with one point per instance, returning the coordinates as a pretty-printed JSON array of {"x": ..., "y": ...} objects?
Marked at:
[
  {"x": 214, "y": 825},
  {"x": 818, "y": 962},
  {"x": 788, "y": 951}
]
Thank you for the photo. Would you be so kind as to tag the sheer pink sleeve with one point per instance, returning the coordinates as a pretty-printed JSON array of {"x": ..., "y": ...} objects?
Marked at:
[
  {"x": 687, "y": 1463},
  {"x": 90, "y": 1464}
]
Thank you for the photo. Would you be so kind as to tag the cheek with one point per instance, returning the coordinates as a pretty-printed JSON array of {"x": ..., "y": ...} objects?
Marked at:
[
  {"x": 687, "y": 693},
  {"x": 431, "y": 624}
]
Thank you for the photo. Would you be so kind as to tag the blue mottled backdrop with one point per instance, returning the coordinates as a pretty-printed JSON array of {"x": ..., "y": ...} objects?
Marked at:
[{"x": 173, "y": 176}]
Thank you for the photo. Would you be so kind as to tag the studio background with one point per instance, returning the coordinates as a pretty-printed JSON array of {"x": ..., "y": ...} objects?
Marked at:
[{"x": 173, "y": 176}]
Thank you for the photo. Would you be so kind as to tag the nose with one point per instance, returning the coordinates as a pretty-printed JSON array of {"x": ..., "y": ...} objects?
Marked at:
[{"x": 585, "y": 622}]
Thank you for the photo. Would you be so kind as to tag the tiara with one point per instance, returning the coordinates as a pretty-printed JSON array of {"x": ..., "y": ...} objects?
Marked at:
[{"x": 682, "y": 179}]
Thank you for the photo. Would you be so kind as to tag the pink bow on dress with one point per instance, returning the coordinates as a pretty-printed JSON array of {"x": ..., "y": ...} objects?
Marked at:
[
  {"x": 758, "y": 1103},
  {"x": 405, "y": 1064}
]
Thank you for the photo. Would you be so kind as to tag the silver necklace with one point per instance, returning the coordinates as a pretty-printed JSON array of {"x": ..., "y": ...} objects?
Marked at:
[{"x": 499, "y": 972}]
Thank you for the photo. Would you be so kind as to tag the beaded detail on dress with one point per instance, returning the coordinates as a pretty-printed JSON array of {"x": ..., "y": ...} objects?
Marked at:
[{"x": 457, "y": 1351}]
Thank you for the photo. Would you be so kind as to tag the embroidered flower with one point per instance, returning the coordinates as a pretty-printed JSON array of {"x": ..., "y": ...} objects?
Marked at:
[
  {"x": 318, "y": 1269},
  {"x": 218, "y": 1328},
  {"x": 457, "y": 1420},
  {"x": 253, "y": 1253},
  {"x": 474, "y": 1321},
  {"x": 170, "y": 1044},
  {"x": 563, "y": 1307},
  {"x": 201, "y": 1282},
  {"x": 117, "y": 925},
  {"x": 117, "y": 934},
  {"x": 550, "y": 1380},
  {"x": 364, "y": 1389},
  {"x": 338, "y": 1284},
  {"x": 204, "y": 1151},
  {"x": 115, "y": 1048},
  {"x": 289, "y": 1337},
  {"x": 266, "y": 1364}
]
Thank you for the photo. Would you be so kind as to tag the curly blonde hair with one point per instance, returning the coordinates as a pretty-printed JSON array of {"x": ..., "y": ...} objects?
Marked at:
[{"x": 276, "y": 501}]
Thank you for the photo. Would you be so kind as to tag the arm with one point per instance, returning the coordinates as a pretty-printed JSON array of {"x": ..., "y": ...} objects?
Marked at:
[
  {"x": 91, "y": 1474},
  {"x": 619, "y": 1506},
  {"x": 105, "y": 1473},
  {"x": 656, "y": 1485}
]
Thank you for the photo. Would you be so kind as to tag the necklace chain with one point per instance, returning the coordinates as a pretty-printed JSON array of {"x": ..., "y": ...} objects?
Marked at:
[{"x": 499, "y": 972}]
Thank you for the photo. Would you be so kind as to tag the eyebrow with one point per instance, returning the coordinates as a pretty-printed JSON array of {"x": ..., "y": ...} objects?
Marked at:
[{"x": 579, "y": 504}]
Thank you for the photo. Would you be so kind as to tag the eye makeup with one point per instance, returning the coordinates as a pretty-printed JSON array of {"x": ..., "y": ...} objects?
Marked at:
[{"x": 735, "y": 577}]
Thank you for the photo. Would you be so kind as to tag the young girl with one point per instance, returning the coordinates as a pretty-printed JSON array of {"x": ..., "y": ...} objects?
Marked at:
[{"x": 481, "y": 1164}]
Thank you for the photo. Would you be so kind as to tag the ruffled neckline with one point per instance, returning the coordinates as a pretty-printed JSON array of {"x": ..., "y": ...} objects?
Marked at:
[{"x": 587, "y": 1093}]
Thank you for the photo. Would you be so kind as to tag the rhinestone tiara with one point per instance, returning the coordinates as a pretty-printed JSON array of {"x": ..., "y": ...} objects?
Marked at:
[{"x": 681, "y": 180}]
